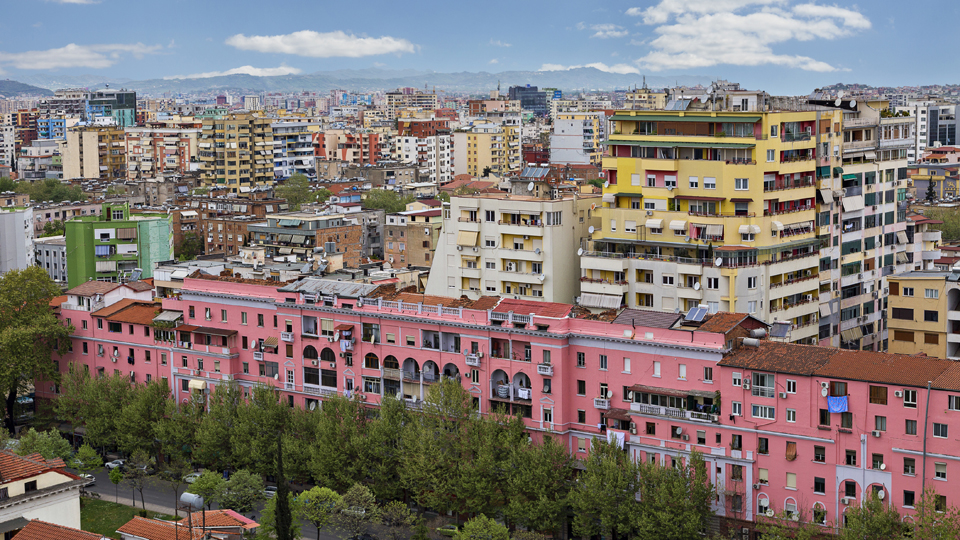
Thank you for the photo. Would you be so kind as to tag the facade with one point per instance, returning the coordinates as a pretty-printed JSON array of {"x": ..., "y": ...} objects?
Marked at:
[
  {"x": 515, "y": 245},
  {"x": 299, "y": 233},
  {"x": 361, "y": 148},
  {"x": 236, "y": 152},
  {"x": 429, "y": 145},
  {"x": 16, "y": 238},
  {"x": 487, "y": 149},
  {"x": 45, "y": 213},
  {"x": 226, "y": 234},
  {"x": 40, "y": 160},
  {"x": 396, "y": 101},
  {"x": 113, "y": 245},
  {"x": 95, "y": 151},
  {"x": 293, "y": 151},
  {"x": 37, "y": 488},
  {"x": 644, "y": 99},
  {"x": 577, "y": 138},
  {"x": 714, "y": 209},
  {"x": 120, "y": 105},
  {"x": 153, "y": 152},
  {"x": 411, "y": 237},
  {"x": 8, "y": 145},
  {"x": 50, "y": 253},
  {"x": 530, "y": 98},
  {"x": 651, "y": 382}
]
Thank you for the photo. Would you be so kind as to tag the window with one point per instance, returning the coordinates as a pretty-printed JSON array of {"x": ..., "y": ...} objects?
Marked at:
[
  {"x": 206, "y": 313},
  {"x": 736, "y": 503},
  {"x": 940, "y": 504},
  {"x": 667, "y": 279},
  {"x": 876, "y": 460},
  {"x": 163, "y": 359},
  {"x": 930, "y": 315},
  {"x": 763, "y": 445},
  {"x": 846, "y": 420},
  {"x": 682, "y": 372},
  {"x": 953, "y": 402},
  {"x": 626, "y": 365},
  {"x": 910, "y": 399},
  {"x": 911, "y": 427},
  {"x": 903, "y": 314},
  {"x": 741, "y": 184},
  {"x": 709, "y": 183},
  {"x": 656, "y": 368},
  {"x": 931, "y": 339},
  {"x": 838, "y": 389},
  {"x": 880, "y": 423},
  {"x": 791, "y": 415},
  {"x": 736, "y": 472},
  {"x": 581, "y": 359},
  {"x": 752, "y": 282},
  {"x": 760, "y": 411},
  {"x": 581, "y": 388},
  {"x": 243, "y": 317},
  {"x": 260, "y": 320},
  {"x": 223, "y": 315},
  {"x": 931, "y": 293},
  {"x": 908, "y": 498},
  {"x": 581, "y": 416},
  {"x": 736, "y": 408},
  {"x": 737, "y": 379},
  {"x": 651, "y": 428},
  {"x": 708, "y": 374},
  {"x": 763, "y": 385},
  {"x": 878, "y": 395},
  {"x": 909, "y": 466},
  {"x": 940, "y": 430},
  {"x": 713, "y": 283},
  {"x": 851, "y": 460},
  {"x": 752, "y": 306},
  {"x": 819, "y": 485},
  {"x": 791, "y": 480},
  {"x": 940, "y": 471},
  {"x": 694, "y": 182},
  {"x": 490, "y": 215},
  {"x": 581, "y": 444},
  {"x": 736, "y": 442},
  {"x": 603, "y": 362},
  {"x": 819, "y": 454},
  {"x": 907, "y": 291}
]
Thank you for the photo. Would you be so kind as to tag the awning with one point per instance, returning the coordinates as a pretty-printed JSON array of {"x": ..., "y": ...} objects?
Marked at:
[
  {"x": 186, "y": 328},
  {"x": 289, "y": 222},
  {"x": 653, "y": 223},
  {"x": 271, "y": 342},
  {"x": 902, "y": 258},
  {"x": 298, "y": 238},
  {"x": 106, "y": 266},
  {"x": 605, "y": 301},
  {"x": 284, "y": 237},
  {"x": 215, "y": 331},
  {"x": 467, "y": 238},
  {"x": 188, "y": 214},
  {"x": 101, "y": 251},
  {"x": 682, "y": 144},
  {"x": 671, "y": 391},
  {"x": 852, "y": 204},
  {"x": 902, "y": 237},
  {"x": 179, "y": 274},
  {"x": 825, "y": 310},
  {"x": 609, "y": 198},
  {"x": 197, "y": 385},
  {"x": 678, "y": 225},
  {"x": 685, "y": 118},
  {"x": 618, "y": 414},
  {"x": 852, "y": 334},
  {"x": 343, "y": 327},
  {"x": 870, "y": 155},
  {"x": 742, "y": 200},
  {"x": 744, "y": 229},
  {"x": 168, "y": 316},
  {"x": 849, "y": 177},
  {"x": 776, "y": 226},
  {"x": 749, "y": 229},
  {"x": 826, "y": 195},
  {"x": 698, "y": 198},
  {"x": 286, "y": 251},
  {"x": 714, "y": 230}
]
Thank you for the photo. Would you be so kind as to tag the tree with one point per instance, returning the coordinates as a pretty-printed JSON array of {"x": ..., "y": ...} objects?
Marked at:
[
  {"x": 93, "y": 403},
  {"x": 209, "y": 486},
  {"x": 296, "y": 190},
  {"x": 675, "y": 499},
  {"x": 357, "y": 513},
  {"x": 931, "y": 194},
  {"x": 242, "y": 491},
  {"x": 783, "y": 527},
  {"x": 482, "y": 528},
  {"x": 53, "y": 228},
  {"x": 934, "y": 520},
  {"x": 177, "y": 428},
  {"x": 173, "y": 472},
  {"x": 486, "y": 172},
  {"x": 49, "y": 444},
  {"x": 323, "y": 195},
  {"x": 465, "y": 190},
  {"x": 341, "y": 443},
  {"x": 319, "y": 505},
  {"x": 873, "y": 520},
  {"x": 135, "y": 472},
  {"x": 30, "y": 334},
  {"x": 951, "y": 222},
  {"x": 136, "y": 425},
  {"x": 596, "y": 182},
  {"x": 284, "y": 512},
  {"x": 527, "y": 535},
  {"x": 398, "y": 520},
  {"x": 216, "y": 430},
  {"x": 539, "y": 484},
  {"x": 50, "y": 189},
  {"x": 604, "y": 499},
  {"x": 116, "y": 476},
  {"x": 86, "y": 460},
  {"x": 268, "y": 529},
  {"x": 383, "y": 447},
  {"x": 443, "y": 196},
  {"x": 189, "y": 247},
  {"x": 388, "y": 201}
]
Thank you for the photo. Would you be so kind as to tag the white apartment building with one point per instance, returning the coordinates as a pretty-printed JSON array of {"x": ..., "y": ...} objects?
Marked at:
[
  {"x": 50, "y": 254},
  {"x": 433, "y": 154},
  {"x": 8, "y": 145},
  {"x": 16, "y": 238},
  {"x": 293, "y": 149}
]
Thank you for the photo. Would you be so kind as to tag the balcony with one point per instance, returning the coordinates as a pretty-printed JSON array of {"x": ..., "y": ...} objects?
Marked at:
[
  {"x": 473, "y": 360},
  {"x": 545, "y": 369},
  {"x": 670, "y": 412},
  {"x": 286, "y": 336},
  {"x": 601, "y": 403},
  {"x": 258, "y": 356}
]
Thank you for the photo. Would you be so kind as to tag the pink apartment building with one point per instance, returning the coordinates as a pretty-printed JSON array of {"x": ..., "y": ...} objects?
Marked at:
[{"x": 658, "y": 386}]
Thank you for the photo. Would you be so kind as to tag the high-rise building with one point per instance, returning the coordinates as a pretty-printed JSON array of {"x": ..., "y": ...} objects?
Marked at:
[
  {"x": 530, "y": 98},
  {"x": 153, "y": 152},
  {"x": 577, "y": 138},
  {"x": 95, "y": 151},
  {"x": 50, "y": 253},
  {"x": 236, "y": 151},
  {"x": 121, "y": 105},
  {"x": 16, "y": 238},
  {"x": 428, "y": 144},
  {"x": 293, "y": 151},
  {"x": 114, "y": 244},
  {"x": 487, "y": 149},
  {"x": 416, "y": 100}
]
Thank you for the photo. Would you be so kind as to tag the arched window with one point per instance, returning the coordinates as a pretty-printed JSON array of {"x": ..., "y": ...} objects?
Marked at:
[
  {"x": 310, "y": 353},
  {"x": 327, "y": 355},
  {"x": 390, "y": 362},
  {"x": 371, "y": 361}
]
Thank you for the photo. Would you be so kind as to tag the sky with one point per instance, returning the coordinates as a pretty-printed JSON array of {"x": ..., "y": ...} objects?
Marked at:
[{"x": 782, "y": 46}]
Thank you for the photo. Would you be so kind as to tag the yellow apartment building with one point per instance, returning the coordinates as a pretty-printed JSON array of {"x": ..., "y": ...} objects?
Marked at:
[
  {"x": 236, "y": 150},
  {"x": 919, "y": 315}
]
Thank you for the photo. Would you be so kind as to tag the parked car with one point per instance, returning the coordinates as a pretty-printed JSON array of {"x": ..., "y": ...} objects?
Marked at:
[
  {"x": 89, "y": 479},
  {"x": 115, "y": 464},
  {"x": 191, "y": 478},
  {"x": 270, "y": 492},
  {"x": 448, "y": 530},
  {"x": 147, "y": 469}
]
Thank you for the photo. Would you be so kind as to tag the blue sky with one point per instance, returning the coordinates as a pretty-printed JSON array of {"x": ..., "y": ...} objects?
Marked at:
[{"x": 784, "y": 46}]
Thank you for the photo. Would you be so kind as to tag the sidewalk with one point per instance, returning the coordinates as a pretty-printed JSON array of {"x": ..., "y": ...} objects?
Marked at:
[{"x": 168, "y": 510}]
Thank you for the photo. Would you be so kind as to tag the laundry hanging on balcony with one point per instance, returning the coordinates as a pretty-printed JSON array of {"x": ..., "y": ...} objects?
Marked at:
[
  {"x": 837, "y": 404},
  {"x": 615, "y": 437}
]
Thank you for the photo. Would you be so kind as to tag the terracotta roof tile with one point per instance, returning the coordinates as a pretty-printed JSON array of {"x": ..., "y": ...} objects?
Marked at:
[
  {"x": 525, "y": 307},
  {"x": 41, "y": 530},
  {"x": 140, "y": 286},
  {"x": 13, "y": 467},
  {"x": 779, "y": 358},
  {"x": 57, "y": 300},
  {"x": 91, "y": 288},
  {"x": 130, "y": 310},
  {"x": 647, "y": 318},
  {"x": 485, "y": 302},
  {"x": 883, "y": 367},
  {"x": 949, "y": 379},
  {"x": 223, "y": 518},
  {"x": 430, "y": 202},
  {"x": 724, "y": 322},
  {"x": 153, "y": 529}
]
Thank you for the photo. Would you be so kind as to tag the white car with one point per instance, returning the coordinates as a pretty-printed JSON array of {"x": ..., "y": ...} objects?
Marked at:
[
  {"x": 115, "y": 463},
  {"x": 270, "y": 492},
  {"x": 191, "y": 478},
  {"x": 88, "y": 479}
]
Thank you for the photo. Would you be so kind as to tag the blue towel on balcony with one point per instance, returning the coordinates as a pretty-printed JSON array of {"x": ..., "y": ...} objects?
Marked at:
[{"x": 837, "y": 404}]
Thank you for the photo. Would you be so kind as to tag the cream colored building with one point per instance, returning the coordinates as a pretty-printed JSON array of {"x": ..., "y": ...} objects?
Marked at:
[
  {"x": 487, "y": 145},
  {"x": 521, "y": 245},
  {"x": 95, "y": 151},
  {"x": 36, "y": 488},
  {"x": 236, "y": 150}
]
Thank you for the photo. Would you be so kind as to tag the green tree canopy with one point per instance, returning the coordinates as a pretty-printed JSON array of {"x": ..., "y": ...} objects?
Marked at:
[
  {"x": 50, "y": 189},
  {"x": 242, "y": 491},
  {"x": 358, "y": 512},
  {"x": 189, "y": 247},
  {"x": 210, "y": 486},
  {"x": 296, "y": 191},
  {"x": 86, "y": 460},
  {"x": 319, "y": 505},
  {"x": 323, "y": 195},
  {"x": 30, "y": 334},
  {"x": 49, "y": 444},
  {"x": 386, "y": 200},
  {"x": 482, "y": 528},
  {"x": 604, "y": 499}
]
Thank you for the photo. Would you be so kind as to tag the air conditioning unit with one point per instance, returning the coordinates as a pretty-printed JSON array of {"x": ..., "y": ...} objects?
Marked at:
[
  {"x": 459, "y": 248},
  {"x": 525, "y": 237},
  {"x": 649, "y": 212},
  {"x": 898, "y": 393},
  {"x": 746, "y": 385},
  {"x": 314, "y": 362},
  {"x": 875, "y": 294},
  {"x": 756, "y": 486},
  {"x": 685, "y": 437},
  {"x": 824, "y": 385},
  {"x": 859, "y": 276},
  {"x": 886, "y": 290},
  {"x": 846, "y": 500},
  {"x": 633, "y": 430},
  {"x": 783, "y": 395},
  {"x": 876, "y": 433},
  {"x": 511, "y": 267},
  {"x": 333, "y": 365}
]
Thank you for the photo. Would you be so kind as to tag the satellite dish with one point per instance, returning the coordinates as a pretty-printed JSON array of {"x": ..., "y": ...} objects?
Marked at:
[
  {"x": 541, "y": 277},
  {"x": 679, "y": 430},
  {"x": 853, "y": 104},
  {"x": 769, "y": 512},
  {"x": 591, "y": 229},
  {"x": 530, "y": 186},
  {"x": 580, "y": 252},
  {"x": 837, "y": 103},
  {"x": 276, "y": 377},
  {"x": 313, "y": 405},
  {"x": 606, "y": 184},
  {"x": 593, "y": 206},
  {"x": 881, "y": 494},
  {"x": 840, "y": 93},
  {"x": 696, "y": 286},
  {"x": 718, "y": 262},
  {"x": 824, "y": 392}
]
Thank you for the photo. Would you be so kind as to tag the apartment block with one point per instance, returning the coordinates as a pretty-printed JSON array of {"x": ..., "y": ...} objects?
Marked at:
[
  {"x": 523, "y": 244},
  {"x": 40, "y": 160},
  {"x": 395, "y": 101},
  {"x": 293, "y": 151},
  {"x": 153, "y": 152},
  {"x": 116, "y": 245},
  {"x": 577, "y": 138},
  {"x": 411, "y": 237},
  {"x": 50, "y": 253},
  {"x": 302, "y": 233},
  {"x": 236, "y": 152},
  {"x": 361, "y": 148},
  {"x": 95, "y": 151},
  {"x": 487, "y": 149},
  {"x": 16, "y": 238},
  {"x": 429, "y": 145}
]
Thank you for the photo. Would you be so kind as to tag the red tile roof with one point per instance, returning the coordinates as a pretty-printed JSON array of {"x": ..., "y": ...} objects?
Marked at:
[
  {"x": 724, "y": 322},
  {"x": 91, "y": 288},
  {"x": 154, "y": 529},
  {"x": 485, "y": 302},
  {"x": 541, "y": 309},
  {"x": 430, "y": 202},
  {"x": 57, "y": 300},
  {"x": 41, "y": 530},
  {"x": 223, "y": 518},
  {"x": 779, "y": 358},
  {"x": 647, "y": 318},
  {"x": 130, "y": 310},
  {"x": 140, "y": 286},
  {"x": 14, "y": 467}
]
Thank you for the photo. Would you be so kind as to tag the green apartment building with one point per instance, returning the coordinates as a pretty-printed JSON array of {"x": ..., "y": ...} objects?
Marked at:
[{"x": 102, "y": 247}]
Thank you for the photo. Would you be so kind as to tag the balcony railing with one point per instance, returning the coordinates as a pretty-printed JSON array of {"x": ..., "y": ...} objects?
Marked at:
[
  {"x": 473, "y": 360},
  {"x": 601, "y": 403},
  {"x": 671, "y": 412},
  {"x": 258, "y": 356},
  {"x": 545, "y": 370},
  {"x": 286, "y": 336}
]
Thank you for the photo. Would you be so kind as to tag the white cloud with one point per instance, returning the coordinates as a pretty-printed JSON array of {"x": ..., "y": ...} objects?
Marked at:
[
  {"x": 322, "y": 45},
  {"x": 498, "y": 43},
  {"x": 622, "y": 69},
  {"x": 704, "y": 33},
  {"x": 73, "y": 55},
  {"x": 604, "y": 31},
  {"x": 494, "y": 61},
  {"x": 243, "y": 70}
]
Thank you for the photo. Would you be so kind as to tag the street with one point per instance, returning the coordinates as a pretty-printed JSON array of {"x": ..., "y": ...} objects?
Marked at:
[{"x": 158, "y": 495}]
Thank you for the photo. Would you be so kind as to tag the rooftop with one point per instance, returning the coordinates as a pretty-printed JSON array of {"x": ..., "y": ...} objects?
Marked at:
[
  {"x": 41, "y": 530},
  {"x": 13, "y": 467},
  {"x": 154, "y": 529},
  {"x": 130, "y": 310}
]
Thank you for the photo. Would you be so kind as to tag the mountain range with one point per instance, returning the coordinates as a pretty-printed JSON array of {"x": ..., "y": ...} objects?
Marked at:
[
  {"x": 11, "y": 89},
  {"x": 364, "y": 80}
]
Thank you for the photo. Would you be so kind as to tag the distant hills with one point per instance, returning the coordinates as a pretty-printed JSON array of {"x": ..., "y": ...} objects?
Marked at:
[
  {"x": 364, "y": 80},
  {"x": 10, "y": 89}
]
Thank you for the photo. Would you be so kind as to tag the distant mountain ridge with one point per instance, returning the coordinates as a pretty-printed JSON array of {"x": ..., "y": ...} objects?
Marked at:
[
  {"x": 371, "y": 79},
  {"x": 10, "y": 89}
]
